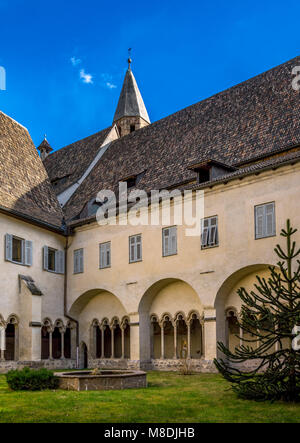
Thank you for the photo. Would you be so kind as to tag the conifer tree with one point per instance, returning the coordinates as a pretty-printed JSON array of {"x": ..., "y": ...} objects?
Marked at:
[{"x": 268, "y": 316}]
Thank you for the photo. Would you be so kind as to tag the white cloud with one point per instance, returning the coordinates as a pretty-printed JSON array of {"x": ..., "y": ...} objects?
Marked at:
[
  {"x": 86, "y": 78},
  {"x": 110, "y": 85},
  {"x": 75, "y": 61}
]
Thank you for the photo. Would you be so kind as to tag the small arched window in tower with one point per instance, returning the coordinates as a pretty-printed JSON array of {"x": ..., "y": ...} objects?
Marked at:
[{"x": 132, "y": 128}]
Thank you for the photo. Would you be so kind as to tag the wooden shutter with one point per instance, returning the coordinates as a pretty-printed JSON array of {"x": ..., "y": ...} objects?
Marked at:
[
  {"x": 45, "y": 257},
  {"x": 27, "y": 247},
  {"x": 259, "y": 221},
  {"x": 105, "y": 258},
  {"x": 270, "y": 219},
  {"x": 166, "y": 238},
  {"x": 102, "y": 256},
  {"x": 213, "y": 231},
  {"x": 173, "y": 240},
  {"x": 81, "y": 261},
  {"x": 108, "y": 260},
  {"x": 76, "y": 262},
  {"x": 60, "y": 262},
  {"x": 204, "y": 233},
  {"x": 8, "y": 247},
  {"x": 132, "y": 249},
  {"x": 138, "y": 247}
]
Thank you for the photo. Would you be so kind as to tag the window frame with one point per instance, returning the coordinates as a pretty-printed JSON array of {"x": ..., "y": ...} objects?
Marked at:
[
  {"x": 264, "y": 205},
  {"x": 163, "y": 243},
  {"x": 58, "y": 254},
  {"x": 54, "y": 251},
  {"x": 135, "y": 260},
  {"x": 81, "y": 269},
  {"x": 26, "y": 250},
  {"x": 107, "y": 266},
  {"x": 217, "y": 235},
  {"x": 22, "y": 241}
]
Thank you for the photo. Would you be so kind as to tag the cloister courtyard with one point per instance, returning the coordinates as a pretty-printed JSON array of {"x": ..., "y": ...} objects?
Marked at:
[{"x": 169, "y": 398}]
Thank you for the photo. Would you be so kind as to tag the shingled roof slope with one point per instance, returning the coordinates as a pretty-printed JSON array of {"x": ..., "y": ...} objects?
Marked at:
[
  {"x": 254, "y": 118},
  {"x": 24, "y": 183},
  {"x": 131, "y": 103},
  {"x": 70, "y": 162}
]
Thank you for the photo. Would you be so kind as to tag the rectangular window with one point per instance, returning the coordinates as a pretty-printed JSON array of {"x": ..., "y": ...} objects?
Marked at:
[
  {"x": 169, "y": 241},
  {"x": 209, "y": 232},
  {"x": 54, "y": 260},
  {"x": 78, "y": 261},
  {"x": 18, "y": 250},
  {"x": 51, "y": 259},
  {"x": 265, "y": 224},
  {"x": 105, "y": 255},
  {"x": 135, "y": 248}
]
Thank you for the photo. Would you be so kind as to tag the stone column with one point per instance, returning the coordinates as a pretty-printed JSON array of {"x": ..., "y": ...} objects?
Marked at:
[
  {"x": 102, "y": 342},
  {"x": 175, "y": 341},
  {"x": 2, "y": 343},
  {"x": 16, "y": 356},
  {"x": 189, "y": 340},
  {"x": 36, "y": 349},
  {"x": 112, "y": 342},
  {"x": 50, "y": 344},
  {"x": 62, "y": 332},
  {"x": 135, "y": 335},
  {"x": 123, "y": 342},
  {"x": 162, "y": 332},
  {"x": 210, "y": 334}
]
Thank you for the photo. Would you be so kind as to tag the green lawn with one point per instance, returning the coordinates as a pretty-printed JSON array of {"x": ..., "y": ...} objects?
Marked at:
[{"x": 169, "y": 398}]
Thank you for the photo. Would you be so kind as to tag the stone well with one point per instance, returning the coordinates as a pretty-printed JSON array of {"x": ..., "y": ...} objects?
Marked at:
[{"x": 107, "y": 380}]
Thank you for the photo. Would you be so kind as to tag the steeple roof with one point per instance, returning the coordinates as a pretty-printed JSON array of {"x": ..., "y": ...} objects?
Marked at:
[
  {"x": 131, "y": 103},
  {"x": 45, "y": 146}
]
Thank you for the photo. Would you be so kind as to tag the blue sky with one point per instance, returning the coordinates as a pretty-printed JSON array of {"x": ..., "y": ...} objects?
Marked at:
[{"x": 183, "y": 52}]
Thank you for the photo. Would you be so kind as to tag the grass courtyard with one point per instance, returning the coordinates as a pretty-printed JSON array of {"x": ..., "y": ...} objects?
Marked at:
[{"x": 169, "y": 398}]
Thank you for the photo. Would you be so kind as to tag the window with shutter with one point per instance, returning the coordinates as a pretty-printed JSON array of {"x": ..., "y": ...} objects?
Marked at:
[
  {"x": 60, "y": 262},
  {"x": 17, "y": 250},
  {"x": 8, "y": 247},
  {"x": 53, "y": 260},
  {"x": 135, "y": 248},
  {"x": 105, "y": 255},
  {"x": 28, "y": 252},
  {"x": 169, "y": 241},
  {"x": 265, "y": 224},
  {"x": 78, "y": 261},
  {"x": 209, "y": 232}
]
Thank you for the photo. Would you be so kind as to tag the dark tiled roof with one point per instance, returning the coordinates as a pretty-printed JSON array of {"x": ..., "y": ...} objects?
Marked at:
[
  {"x": 24, "y": 183},
  {"x": 70, "y": 162},
  {"x": 256, "y": 168},
  {"x": 255, "y": 118}
]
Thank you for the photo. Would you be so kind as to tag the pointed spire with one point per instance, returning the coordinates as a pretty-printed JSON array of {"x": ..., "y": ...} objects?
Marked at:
[
  {"x": 131, "y": 103},
  {"x": 45, "y": 148}
]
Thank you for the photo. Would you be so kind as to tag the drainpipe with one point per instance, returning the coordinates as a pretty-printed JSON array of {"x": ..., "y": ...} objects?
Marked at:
[{"x": 65, "y": 300}]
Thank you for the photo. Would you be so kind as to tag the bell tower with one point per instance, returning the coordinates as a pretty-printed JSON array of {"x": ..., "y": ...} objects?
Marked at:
[
  {"x": 44, "y": 149},
  {"x": 131, "y": 113}
]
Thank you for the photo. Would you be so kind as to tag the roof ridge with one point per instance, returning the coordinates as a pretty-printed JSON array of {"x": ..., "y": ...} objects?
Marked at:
[{"x": 15, "y": 121}]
